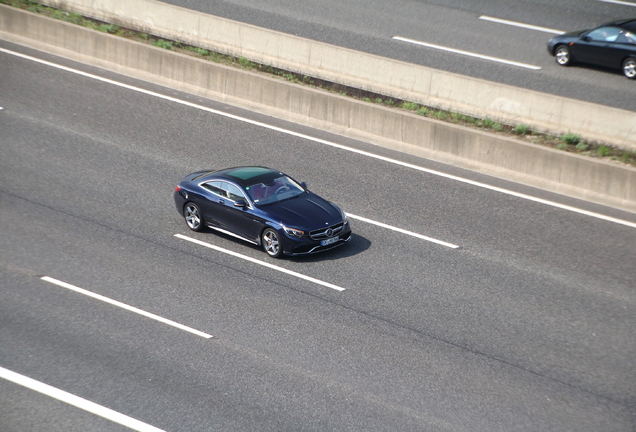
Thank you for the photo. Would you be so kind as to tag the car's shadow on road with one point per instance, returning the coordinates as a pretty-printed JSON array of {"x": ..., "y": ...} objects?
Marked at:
[{"x": 584, "y": 66}]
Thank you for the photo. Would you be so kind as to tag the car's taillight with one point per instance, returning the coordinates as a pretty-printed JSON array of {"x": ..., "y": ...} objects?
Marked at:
[{"x": 177, "y": 188}]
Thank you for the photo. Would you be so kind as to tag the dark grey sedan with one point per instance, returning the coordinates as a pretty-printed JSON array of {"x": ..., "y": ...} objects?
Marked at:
[{"x": 611, "y": 45}]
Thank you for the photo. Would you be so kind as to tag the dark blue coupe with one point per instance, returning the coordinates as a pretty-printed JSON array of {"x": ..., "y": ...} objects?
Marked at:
[{"x": 262, "y": 206}]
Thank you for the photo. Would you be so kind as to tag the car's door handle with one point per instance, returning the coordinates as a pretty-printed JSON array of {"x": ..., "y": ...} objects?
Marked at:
[{"x": 221, "y": 201}]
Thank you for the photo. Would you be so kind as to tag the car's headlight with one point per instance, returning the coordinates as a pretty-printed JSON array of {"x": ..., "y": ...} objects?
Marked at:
[
  {"x": 344, "y": 216},
  {"x": 293, "y": 231}
]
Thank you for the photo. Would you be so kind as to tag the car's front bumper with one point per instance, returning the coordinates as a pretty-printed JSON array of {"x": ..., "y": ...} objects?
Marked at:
[{"x": 306, "y": 246}]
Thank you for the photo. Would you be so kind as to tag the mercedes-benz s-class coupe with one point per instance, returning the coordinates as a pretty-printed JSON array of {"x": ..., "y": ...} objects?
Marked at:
[{"x": 262, "y": 206}]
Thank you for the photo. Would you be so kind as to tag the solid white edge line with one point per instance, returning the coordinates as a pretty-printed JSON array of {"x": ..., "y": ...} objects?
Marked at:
[
  {"x": 403, "y": 231},
  {"x": 124, "y": 306},
  {"x": 518, "y": 24},
  {"x": 618, "y": 2},
  {"x": 334, "y": 145},
  {"x": 262, "y": 263},
  {"x": 467, "y": 53},
  {"x": 77, "y": 401}
]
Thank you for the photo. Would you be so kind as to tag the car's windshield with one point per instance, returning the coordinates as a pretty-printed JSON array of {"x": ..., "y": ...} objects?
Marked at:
[{"x": 273, "y": 191}]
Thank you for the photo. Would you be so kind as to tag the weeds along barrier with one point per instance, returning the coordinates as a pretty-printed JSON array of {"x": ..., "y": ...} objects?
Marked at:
[{"x": 401, "y": 80}]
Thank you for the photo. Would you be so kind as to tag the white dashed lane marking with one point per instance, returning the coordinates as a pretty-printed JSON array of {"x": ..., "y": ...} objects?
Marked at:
[
  {"x": 124, "y": 306},
  {"x": 467, "y": 53},
  {"x": 518, "y": 24},
  {"x": 259, "y": 262},
  {"x": 77, "y": 401}
]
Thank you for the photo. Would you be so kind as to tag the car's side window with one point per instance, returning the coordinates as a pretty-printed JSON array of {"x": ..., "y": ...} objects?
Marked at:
[
  {"x": 604, "y": 34},
  {"x": 627, "y": 37},
  {"x": 215, "y": 187},
  {"x": 233, "y": 192}
]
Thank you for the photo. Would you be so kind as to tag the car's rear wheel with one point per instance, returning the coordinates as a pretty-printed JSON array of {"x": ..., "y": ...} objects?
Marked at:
[
  {"x": 629, "y": 68},
  {"x": 193, "y": 217},
  {"x": 563, "y": 55},
  {"x": 271, "y": 243}
]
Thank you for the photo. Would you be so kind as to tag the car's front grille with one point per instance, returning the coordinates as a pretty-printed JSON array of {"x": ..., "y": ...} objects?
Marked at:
[{"x": 324, "y": 233}]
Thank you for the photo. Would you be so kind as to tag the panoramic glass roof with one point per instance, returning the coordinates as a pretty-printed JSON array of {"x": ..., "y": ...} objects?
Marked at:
[{"x": 246, "y": 173}]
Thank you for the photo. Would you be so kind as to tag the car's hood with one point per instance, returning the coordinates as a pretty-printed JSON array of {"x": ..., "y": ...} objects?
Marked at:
[
  {"x": 572, "y": 34},
  {"x": 575, "y": 32},
  {"x": 567, "y": 37},
  {"x": 307, "y": 210}
]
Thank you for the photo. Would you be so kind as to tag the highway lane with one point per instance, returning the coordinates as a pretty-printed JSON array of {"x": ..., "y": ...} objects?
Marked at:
[
  {"x": 370, "y": 26},
  {"x": 528, "y": 326}
]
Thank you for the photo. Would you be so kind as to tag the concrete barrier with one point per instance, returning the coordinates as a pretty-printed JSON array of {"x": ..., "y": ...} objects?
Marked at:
[
  {"x": 431, "y": 87},
  {"x": 582, "y": 177}
]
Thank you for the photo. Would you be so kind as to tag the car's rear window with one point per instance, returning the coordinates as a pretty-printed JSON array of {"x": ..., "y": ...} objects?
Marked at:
[{"x": 631, "y": 26}]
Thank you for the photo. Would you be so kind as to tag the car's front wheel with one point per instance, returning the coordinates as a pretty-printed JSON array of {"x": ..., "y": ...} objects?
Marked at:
[
  {"x": 629, "y": 67},
  {"x": 271, "y": 243},
  {"x": 563, "y": 55},
  {"x": 193, "y": 217}
]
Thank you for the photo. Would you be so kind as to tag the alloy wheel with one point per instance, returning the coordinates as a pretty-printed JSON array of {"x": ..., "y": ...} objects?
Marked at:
[
  {"x": 629, "y": 68},
  {"x": 271, "y": 243},
  {"x": 193, "y": 217},
  {"x": 563, "y": 55}
]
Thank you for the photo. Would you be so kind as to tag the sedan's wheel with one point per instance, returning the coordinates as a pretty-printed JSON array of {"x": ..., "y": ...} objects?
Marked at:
[
  {"x": 193, "y": 217},
  {"x": 271, "y": 243},
  {"x": 629, "y": 68},
  {"x": 563, "y": 56}
]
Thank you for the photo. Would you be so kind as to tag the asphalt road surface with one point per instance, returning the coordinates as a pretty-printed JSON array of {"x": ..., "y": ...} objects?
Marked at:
[
  {"x": 528, "y": 325},
  {"x": 371, "y": 25}
]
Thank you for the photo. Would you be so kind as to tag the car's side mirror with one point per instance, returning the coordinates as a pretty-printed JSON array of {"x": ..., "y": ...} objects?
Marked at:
[
  {"x": 304, "y": 185},
  {"x": 586, "y": 38},
  {"x": 242, "y": 204}
]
